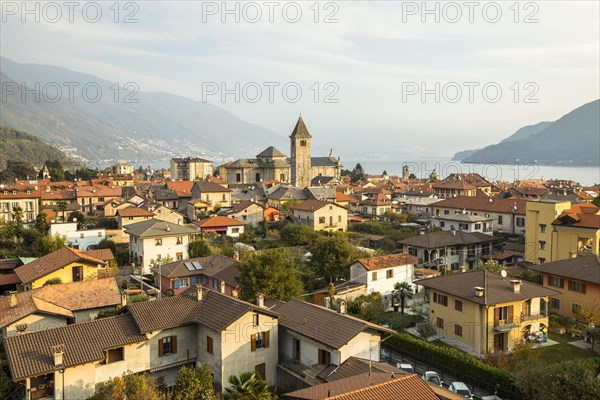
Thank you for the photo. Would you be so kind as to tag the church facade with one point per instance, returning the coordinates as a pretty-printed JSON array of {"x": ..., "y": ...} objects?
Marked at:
[{"x": 300, "y": 169}]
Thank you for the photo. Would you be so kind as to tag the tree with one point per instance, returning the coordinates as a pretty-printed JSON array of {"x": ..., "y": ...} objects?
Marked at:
[
  {"x": 399, "y": 218},
  {"x": 76, "y": 215},
  {"x": 43, "y": 245},
  {"x": 194, "y": 383},
  {"x": 402, "y": 290},
  {"x": 129, "y": 386},
  {"x": 248, "y": 386},
  {"x": 384, "y": 172},
  {"x": 41, "y": 223},
  {"x": 596, "y": 201},
  {"x": 108, "y": 244},
  {"x": 62, "y": 207},
  {"x": 271, "y": 272},
  {"x": 56, "y": 171},
  {"x": 298, "y": 235},
  {"x": 594, "y": 334},
  {"x": 331, "y": 255},
  {"x": 17, "y": 216},
  {"x": 17, "y": 170},
  {"x": 53, "y": 281},
  {"x": 489, "y": 265},
  {"x": 370, "y": 308},
  {"x": 426, "y": 330},
  {"x": 200, "y": 248},
  {"x": 358, "y": 173}
]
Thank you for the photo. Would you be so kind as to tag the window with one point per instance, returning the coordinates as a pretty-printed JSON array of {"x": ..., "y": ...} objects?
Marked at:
[
  {"x": 442, "y": 224},
  {"x": 389, "y": 273},
  {"x": 446, "y": 212},
  {"x": 303, "y": 143},
  {"x": 260, "y": 369},
  {"x": 259, "y": 340},
  {"x": 81, "y": 235},
  {"x": 209, "y": 344},
  {"x": 238, "y": 177},
  {"x": 256, "y": 178},
  {"x": 477, "y": 226},
  {"x": 541, "y": 260},
  {"x": 374, "y": 276},
  {"x": 440, "y": 299},
  {"x": 575, "y": 308},
  {"x": 439, "y": 322},
  {"x": 542, "y": 228},
  {"x": 179, "y": 240},
  {"x": 554, "y": 303},
  {"x": 458, "y": 330},
  {"x": 167, "y": 345},
  {"x": 255, "y": 319},
  {"x": 321, "y": 220},
  {"x": 575, "y": 286},
  {"x": 114, "y": 355},
  {"x": 412, "y": 251},
  {"x": 339, "y": 218},
  {"x": 216, "y": 283},
  {"x": 499, "y": 219},
  {"x": 179, "y": 256},
  {"x": 77, "y": 273},
  {"x": 542, "y": 244},
  {"x": 184, "y": 282},
  {"x": 520, "y": 222},
  {"x": 555, "y": 281},
  {"x": 224, "y": 197},
  {"x": 158, "y": 242},
  {"x": 324, "y": 357},
  {"x": 458, "y": 305},
  {"x": 235, "y": 230}
]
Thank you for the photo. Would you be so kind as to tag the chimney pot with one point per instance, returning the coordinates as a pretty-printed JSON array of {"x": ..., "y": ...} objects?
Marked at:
[
  {"x": 13, "y": 300},
  {"x": 59, "y": 352},
  {"x": 341, "y": 306},
  {"x": 222, "y": 287},
  {"x": 199, "y": 293},
  {"x": 260, "y": 300},
  {"x": 123, "y": 299},
  {"x": 516, "y": 284},
  {"x": 479, "y": 291}
]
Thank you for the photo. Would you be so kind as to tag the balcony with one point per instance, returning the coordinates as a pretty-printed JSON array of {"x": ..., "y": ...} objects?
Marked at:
[
  {"x": 505, "y": 326},
  {"x": 533, "y": 317}
]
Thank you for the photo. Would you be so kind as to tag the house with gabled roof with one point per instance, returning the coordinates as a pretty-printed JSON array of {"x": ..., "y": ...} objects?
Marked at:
[
  {"x": 155, "y": 337},
  {"x": 312, "y": 338},
  {"x": 152, "y": 240},
  {"x": 216, "y": 272},
  {"x": 321, "y": 215},
  {"x": 454, "y": 188},
  {"x": 57, "y": 305},
  {"x": 221, "y": 226},
  {"x": 246, "y": 211},
  {"x": 65, "y": 264}
]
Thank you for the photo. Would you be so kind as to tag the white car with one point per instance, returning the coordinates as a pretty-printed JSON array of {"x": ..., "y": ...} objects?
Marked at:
[
  {"x": 406, "y": 367},
  {"x": 461, "y": 389},
  {"x": 433, "y": 377}
]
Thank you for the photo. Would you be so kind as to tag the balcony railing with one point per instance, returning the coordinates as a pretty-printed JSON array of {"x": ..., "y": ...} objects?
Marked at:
[
  {"x": 533, "y": 317},
  {"x": 504, "y": 326}
]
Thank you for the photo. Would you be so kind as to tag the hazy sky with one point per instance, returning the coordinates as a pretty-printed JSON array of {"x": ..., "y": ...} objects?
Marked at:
[{"x": 374, "y": 58}]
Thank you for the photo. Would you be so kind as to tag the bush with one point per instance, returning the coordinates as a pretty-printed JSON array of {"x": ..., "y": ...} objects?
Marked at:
[
  {"x": 461, "y": 365},
  {"x": 53, "y": 281},
  {"x": 298, "y": 235}
]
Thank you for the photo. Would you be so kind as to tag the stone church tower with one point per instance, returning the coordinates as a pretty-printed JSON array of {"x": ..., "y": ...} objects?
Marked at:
[{"x": 300, "y": 155}]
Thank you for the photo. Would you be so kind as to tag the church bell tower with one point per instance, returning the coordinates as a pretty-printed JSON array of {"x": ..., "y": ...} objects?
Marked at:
[{"x": 300, "y": 155}]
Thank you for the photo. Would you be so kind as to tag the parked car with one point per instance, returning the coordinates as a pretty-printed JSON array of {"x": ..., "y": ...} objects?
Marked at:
[
  {"x": 433, "y": 377},
  {"x": 462, "y": 389},
  {"x": 406, "y": 367}
]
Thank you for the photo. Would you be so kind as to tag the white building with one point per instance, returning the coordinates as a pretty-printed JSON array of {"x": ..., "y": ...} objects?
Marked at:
[
  {"x": 465, "y": 222},
  {"x": 153, "y": 240},
  {"x": 380, "y": 274},
  {"x": 78, "y": 239}
]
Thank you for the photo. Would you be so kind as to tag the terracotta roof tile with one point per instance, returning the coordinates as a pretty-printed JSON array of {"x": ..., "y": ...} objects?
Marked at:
[
  {"x": 218, "y": 221},
  {"x": 389, "y": 261}
]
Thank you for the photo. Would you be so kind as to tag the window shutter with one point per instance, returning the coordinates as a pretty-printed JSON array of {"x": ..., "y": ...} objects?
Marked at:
[
  {"x": 496, "y": 316},
  {"x": 174, "y": 344},
  {"x": 160, "y": 348},
  {"x": 266, "y": 338},
  {"x": 583, "y": 288},
  {"x": 253, "y": 343},
  {"x": 176, "y": 283},
  {"x": 209, "y": 344},
  {"x": 562, "y": 283},
  {"x": 510, "y": 314}
]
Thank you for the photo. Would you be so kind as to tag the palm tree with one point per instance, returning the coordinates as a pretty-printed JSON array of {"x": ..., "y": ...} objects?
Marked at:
[
  {"x": 248, "y": 386},
  {"x": 62, "y": 206},
  {"x": 402, "y": 290}
]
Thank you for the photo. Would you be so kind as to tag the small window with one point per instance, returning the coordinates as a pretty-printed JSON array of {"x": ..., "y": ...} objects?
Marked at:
[
  {"x": 209, "y": 344},
  {"x": 184, "y": 282},
  {"x": 575, "y": 286},
  {"x": 158, "y": 242},
  {"x": 374, "y": 276},
  {"x": 439, "y": 322},
  {"x": 167, "y": 345},
  {"x": 303, "y": 143},
  {"x": 541, "y": 260},
  {"x": 458, "y": 305},
  {"x": 542, "y": 244},
  {"x": 575, "y": 308},
  {"x": 458, "y": 330},
  {"x": 321, "y": 220},
  {"x": 81, "y": 235},
  {"x": 255, "y": 319},
  {"x": 446, "y": 212},
  {"x": 542, "y": 228},
  {"x": 99, "y": 234},
  {"x": 389, "y": 273},
  {"x": 259, "y": 340},
  {"x": 179, "y": 240},
  {"x": 554, "y": 303},
  {"x": 520, "y": 221},
  {"x": 440, "y": 299},
  {"x": 339, "y": 218},
  {"x": 235, "y": 230},
  {"x": 500, "y": 219},
  {"x": 114, "y": 355},
  {"x": 179, "y": 256},
  {"x": 442, "y": 224}
]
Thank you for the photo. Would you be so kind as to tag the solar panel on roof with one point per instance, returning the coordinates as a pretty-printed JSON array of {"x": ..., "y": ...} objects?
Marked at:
[
  {"x": 189, "y": 266},
  {"x": 196, "y": 265}
]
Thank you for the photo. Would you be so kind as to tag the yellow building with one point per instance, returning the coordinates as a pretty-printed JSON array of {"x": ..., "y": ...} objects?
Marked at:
[
  {"x": 66, "y": 264},
  {"x": 578, "y": 282},
  {"x": 559, "y": 230},
  {"x": 485, "y": 311},
  {"x": 321, "y": 215}
]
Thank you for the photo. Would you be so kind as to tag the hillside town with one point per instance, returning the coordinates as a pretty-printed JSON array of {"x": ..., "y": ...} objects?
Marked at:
[{"x": 296, "y": 277}]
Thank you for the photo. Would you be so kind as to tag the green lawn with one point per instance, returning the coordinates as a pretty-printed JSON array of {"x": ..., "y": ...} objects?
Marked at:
[{"x": 563, "y": 351}]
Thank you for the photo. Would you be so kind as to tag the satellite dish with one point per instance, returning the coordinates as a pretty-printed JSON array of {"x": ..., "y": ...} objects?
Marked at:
[
  {"x": 74, "y": 219},
  {"x": 503, "y": 273}
]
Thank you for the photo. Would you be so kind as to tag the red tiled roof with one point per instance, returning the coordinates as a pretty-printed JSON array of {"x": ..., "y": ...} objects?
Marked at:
[
  {"x": 456, "y": 184},
  {"x": 312, "y": 205},
  {"x": 219, "y": 221},
  {"x": 134, "y": 212},
  {"x": 389, "y": 261},
  {"x": 480, "y": 203},
  {"x": 580, "y": 215}
]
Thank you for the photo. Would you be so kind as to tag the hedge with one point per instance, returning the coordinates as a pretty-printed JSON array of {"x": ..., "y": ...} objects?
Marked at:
[{"x": 455, "y": 362}]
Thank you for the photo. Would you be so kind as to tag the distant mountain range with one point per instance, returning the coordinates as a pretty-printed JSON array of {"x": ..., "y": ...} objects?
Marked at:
[
  {"x": 156, "y": 127},
  {"x": 574, "y": 139},
  {"x": 21, "y": 146}
]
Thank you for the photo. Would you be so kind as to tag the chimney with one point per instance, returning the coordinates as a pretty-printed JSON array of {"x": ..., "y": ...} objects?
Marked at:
[
  {"x": 341, "y": 306},
  {"x": 516, "y": 284},
  {"x": 13, "y": 300},
  {"x": 199, "y": 292},
  {"x": 260, "y": 300},
  {"x": 222, "y": 287},
  {"x": 58, "y": 352},
  {"x": 453, "y": 231},
  {"x": 479, "y": 291},
  {"x": 123, "y": 298}
]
